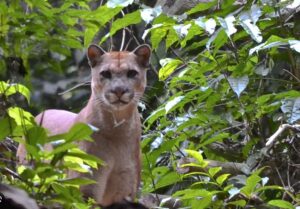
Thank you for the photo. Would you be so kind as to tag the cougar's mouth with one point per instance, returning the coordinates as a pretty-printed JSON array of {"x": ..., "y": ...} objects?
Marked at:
[{"x": 120, "y": 102}]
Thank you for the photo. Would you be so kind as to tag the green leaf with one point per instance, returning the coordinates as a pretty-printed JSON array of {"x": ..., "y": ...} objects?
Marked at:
[
  {"x": 202, "y": 7},
  {"x": 251, "y": 183},
  {"x": 63, "y": 190},
  {"x": 21, "y": 116},
  {"x": 154, "y": 116},
  {"x": 62, "y": 148},
  {"x": 36, "y": 135},
  {"x": 240, "y": 203},
  {"x": 101, "y": 15},
  {"x": 216, "y": 138},
  {"x": 85, "y": 157},
  {"x": 158, "y": 32},
  {"x": 191, "y": 193},
  {"x": 281, "y": 204},
  {"x": 7, "y": 126},
  {"x": 28, "y": 173},
  {"x": 128, "y": 19},
  {"x": 213, "y": 171},
  {"x": 198, "y": 157},
  {"x": 18, "y": 88},
  {"x": 168, "y": 67},
  {"x": 79, "y": 131},
  {"x": 77, "y": 181},
  {"x": 89, "y": 34},
  {"x": 171, "y": 38},
  {"x": 221, "y": 179},
  {"x": 167, "y": 179}
]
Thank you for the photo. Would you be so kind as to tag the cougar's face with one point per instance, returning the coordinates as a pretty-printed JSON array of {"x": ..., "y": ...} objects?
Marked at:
[{"x": 118, "y": 79}]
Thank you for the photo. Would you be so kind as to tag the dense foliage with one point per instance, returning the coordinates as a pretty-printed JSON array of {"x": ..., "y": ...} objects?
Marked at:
[{"x": 230, "y": 72}]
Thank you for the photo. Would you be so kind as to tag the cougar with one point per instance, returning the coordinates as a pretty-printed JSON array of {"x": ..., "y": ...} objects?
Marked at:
[{"x": 118, "y": 82}]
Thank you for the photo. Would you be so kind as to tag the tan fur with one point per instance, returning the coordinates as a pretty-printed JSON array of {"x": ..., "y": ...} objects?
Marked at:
[{"x": 112, "y": 108}]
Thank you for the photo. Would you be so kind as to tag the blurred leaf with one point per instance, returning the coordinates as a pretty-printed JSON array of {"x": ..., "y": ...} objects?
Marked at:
[
  {"x": 281, "y": 204},
  {"x": 240, "y": 203},
  {"x": 77, "y": 181},
  {"x": 36, "y": 135},
  {"x": 78, "y": 131},
  {"x": 251, "y": 183},
  {"x": 7, "y": 126},
  {"x": 213, "y": 171},
  {"x": 221, "y": 179}
]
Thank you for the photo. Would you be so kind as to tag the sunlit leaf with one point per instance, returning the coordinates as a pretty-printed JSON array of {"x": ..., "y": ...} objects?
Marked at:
[
  {"x": 172, "y": 103},
  {"x": 168, "y": 67},
  {"x": 295, "y": 45},
  {"x": 248, "y": 22},
  {"x": 198, "y": 157},
  {"x": 118, "y": 3},
  {"x": 213, "y": 171},
  {"x": 182, "y": 30},
  {"x": 17, "y": 88},
  {"x": 149, "y": 14},
  {"x": 221, "y": 179},
  {"x": 228, "y": 24},
  {"x": 21, "y": 116},
  {"x": 208, "y": 25},
  {"x": 291, "y": 108}
]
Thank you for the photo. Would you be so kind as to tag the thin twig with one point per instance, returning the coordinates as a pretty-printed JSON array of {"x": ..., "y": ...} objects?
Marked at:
[
  {"x": 75, "y": 87},
  {"x": 281, "y": 129},
  {"x": 123, "y": 34}
]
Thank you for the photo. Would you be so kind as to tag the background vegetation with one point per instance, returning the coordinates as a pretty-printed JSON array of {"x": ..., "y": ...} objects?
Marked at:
[{"x": 220, "y": 115}]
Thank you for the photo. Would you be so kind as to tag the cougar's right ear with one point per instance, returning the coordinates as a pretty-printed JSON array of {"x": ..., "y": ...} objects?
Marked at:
[{"x": 94, "y": 54}]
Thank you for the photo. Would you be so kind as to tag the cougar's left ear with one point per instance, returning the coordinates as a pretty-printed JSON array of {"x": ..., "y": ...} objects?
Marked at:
[
  {"x": 143, "y": 53},
  {"x": 94, "y": 54}
]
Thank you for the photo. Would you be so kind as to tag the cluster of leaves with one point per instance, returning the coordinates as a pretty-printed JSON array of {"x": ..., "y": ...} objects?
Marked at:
[
  {"x": 231, "y": 74},
  {"x": 45, "y": 174},
  {"x": 232, "y": 78}
]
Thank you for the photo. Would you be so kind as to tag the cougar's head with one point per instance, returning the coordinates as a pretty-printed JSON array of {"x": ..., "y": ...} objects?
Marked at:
[{"x": 118, "y": 78}]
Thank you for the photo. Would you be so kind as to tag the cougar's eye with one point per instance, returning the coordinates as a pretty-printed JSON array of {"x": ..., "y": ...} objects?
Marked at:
[
  {"x": 106, "y": 74},
  {"x": 132, "y": 73}
]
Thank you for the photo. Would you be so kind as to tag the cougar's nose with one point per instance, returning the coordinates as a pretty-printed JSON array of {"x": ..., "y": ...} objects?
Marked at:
[{"x": 119, "y": 91}]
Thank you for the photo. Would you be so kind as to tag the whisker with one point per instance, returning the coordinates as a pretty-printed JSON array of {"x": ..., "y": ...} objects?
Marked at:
[{"x": 151, "y": 87}]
